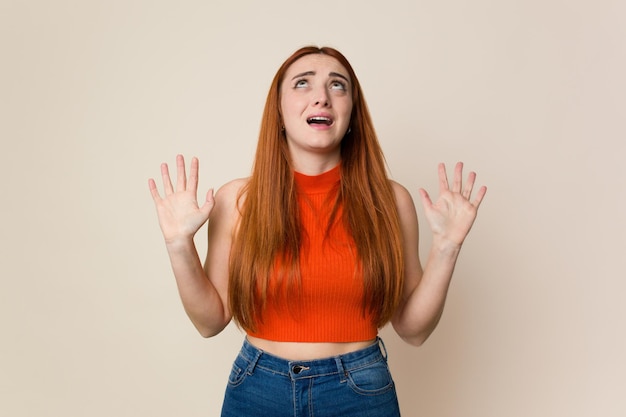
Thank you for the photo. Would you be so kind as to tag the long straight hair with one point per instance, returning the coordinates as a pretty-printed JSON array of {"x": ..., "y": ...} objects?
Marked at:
[{"x": 269, "y": 232}]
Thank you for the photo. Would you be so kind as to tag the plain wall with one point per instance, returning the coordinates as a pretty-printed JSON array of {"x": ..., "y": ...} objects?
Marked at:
[{"x": 94, "y": 95}]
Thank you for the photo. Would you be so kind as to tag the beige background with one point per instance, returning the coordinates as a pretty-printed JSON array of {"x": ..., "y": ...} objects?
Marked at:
[{"x": 95, "y": 94}]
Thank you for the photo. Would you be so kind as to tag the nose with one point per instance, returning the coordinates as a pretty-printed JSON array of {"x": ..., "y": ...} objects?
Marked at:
[{"x": 320, "y": 98}]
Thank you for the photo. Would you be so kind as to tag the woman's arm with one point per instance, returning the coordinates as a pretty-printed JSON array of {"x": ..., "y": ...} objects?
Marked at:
[
  {"x": 203, "y": 291},
  {"x": 450, "y": 218}
]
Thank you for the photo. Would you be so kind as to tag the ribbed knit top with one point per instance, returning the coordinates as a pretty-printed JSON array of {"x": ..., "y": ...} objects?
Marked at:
[{"x": 329, "y": 305}]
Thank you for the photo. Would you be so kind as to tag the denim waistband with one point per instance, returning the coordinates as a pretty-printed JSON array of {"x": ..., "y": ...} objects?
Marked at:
[{"x": 340, "y": 364}]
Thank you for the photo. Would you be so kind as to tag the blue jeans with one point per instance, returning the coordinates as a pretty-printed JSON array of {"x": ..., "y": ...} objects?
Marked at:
[{"x": 357, "y": 384}]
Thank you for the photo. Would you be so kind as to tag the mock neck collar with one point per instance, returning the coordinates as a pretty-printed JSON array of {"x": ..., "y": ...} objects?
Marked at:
[{"x": 323, "y": 182}]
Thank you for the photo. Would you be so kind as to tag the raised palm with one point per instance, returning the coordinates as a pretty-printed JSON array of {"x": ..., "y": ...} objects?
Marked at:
[
  {"x": 180, "y": 215},
  {"x": 452, "y": 215}
]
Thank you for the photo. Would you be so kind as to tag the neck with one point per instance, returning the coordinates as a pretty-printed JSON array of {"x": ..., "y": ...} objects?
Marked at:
[{"x": 314, "y": 164}]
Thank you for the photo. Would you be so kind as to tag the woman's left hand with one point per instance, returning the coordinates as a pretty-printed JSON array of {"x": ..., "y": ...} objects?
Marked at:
[{"x": 452, "y": 215}]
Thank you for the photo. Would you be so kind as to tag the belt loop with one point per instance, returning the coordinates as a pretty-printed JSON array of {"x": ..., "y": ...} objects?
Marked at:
[
  {"x": 382, "y": 347},
  {"x": 253, "y": 362},
  {"x": 343, "y": 374}
]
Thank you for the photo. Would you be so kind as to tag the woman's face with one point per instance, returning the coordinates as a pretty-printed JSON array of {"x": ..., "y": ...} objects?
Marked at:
[{"x": 316, "y": 104}]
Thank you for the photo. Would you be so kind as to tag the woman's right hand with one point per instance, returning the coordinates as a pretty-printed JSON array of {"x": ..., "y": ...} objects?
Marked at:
[{"x": 180, "y": 215}]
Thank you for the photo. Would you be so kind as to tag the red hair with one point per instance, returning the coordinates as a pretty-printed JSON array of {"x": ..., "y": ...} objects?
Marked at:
[{"x": 269, "y": 230}]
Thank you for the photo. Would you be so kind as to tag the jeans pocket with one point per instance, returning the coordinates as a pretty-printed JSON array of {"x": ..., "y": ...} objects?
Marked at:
[
  {"x": 372, "y": 379},
  {"x": 238, "y": 372}
]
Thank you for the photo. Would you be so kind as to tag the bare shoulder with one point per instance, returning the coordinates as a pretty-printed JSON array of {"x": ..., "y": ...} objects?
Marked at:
[
  {"x": 232, "y": 189},
  {"x": 404, "y": 200},
  {"x": 227, "y": 198},
  {"x": 406, "y": 210},
  {"x": 410, "y": 235},
  {"x": 222, "y": 226}
]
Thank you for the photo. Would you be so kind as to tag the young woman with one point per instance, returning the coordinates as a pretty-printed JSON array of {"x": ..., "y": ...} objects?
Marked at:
[{"x": 314, "y": 252}]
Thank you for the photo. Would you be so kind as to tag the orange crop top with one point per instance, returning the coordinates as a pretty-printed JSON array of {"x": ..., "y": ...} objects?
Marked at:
[{"x": 329, "y": 306}]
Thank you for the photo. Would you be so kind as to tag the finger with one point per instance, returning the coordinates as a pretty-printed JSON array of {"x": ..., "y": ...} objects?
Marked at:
[
  {"x": 458, "y": 176},
  {"x": 443, "y": 178},
  {"x": 181, "y": 176},
  {"x": 479, "y": 196},
  {"x": 153, "y": 190},
  {"x": 193, "y": 175},
  {"x": 426, "y": 201},
  {"x": 469, "y": 185},
  {"x": 167, "y": 182},
  {"x": 208, "y": 203}
]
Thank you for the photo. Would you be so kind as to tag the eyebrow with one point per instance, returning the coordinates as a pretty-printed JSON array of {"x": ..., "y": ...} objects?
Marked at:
[{"x": 332, "y": 74}]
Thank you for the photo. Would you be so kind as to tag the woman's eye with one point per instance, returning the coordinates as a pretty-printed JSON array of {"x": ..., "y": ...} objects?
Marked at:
[
  {"x": 337, "y": 85},
  {"x": 301, "y": 84}
]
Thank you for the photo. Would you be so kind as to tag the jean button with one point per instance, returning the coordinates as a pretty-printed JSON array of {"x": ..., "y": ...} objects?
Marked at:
[{"x": 298, "y": 368}]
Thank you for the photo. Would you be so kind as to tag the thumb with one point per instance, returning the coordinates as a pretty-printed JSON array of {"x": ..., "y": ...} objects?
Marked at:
[
  {"x": 426, "y": 201},
  {"x": 208, "y": 203}
]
